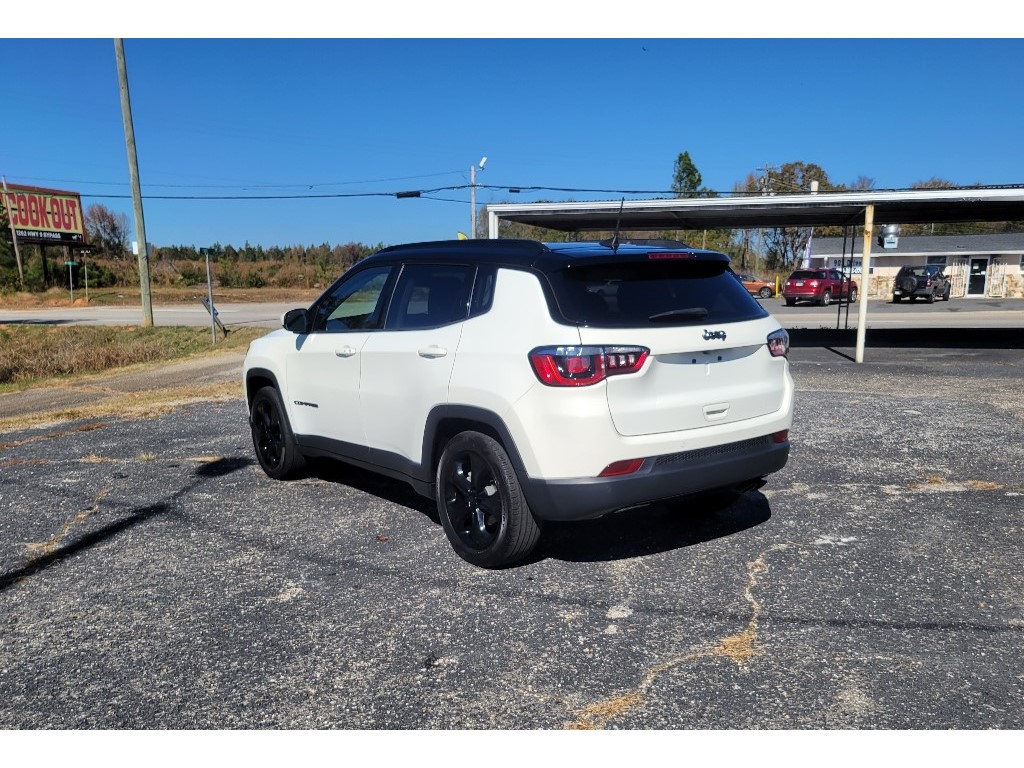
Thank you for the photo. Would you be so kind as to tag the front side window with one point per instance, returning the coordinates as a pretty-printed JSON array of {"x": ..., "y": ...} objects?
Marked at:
[
  {"x": 431, "y": 295},
  {"x": 354, "y": 304}
]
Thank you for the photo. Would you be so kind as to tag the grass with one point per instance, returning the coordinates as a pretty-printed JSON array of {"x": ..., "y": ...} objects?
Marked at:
[
  {"x": 129, "y": 296},
  {"x": 34, "y": 354}
]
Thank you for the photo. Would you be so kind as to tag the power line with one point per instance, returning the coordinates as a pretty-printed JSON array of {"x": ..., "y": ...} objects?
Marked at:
[
  {"x": 246, "y": 185},
  {"x": 404, "y": 193}
]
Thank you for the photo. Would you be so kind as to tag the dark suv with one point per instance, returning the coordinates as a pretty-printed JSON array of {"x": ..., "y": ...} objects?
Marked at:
[{"x": 928, "y": 282}]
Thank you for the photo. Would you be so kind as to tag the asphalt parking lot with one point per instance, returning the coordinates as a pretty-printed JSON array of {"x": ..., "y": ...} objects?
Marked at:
[{"x": 152, "y": 577}]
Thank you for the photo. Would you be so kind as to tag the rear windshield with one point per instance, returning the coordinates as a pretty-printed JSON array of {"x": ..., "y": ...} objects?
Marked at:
[
  {"x": 642, "y": 294},
  {"x": 809, "y": 274},
  {"x": 920, "y": 271}
]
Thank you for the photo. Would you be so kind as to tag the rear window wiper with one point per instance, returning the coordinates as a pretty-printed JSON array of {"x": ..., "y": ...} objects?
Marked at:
[{"x": 695, "y": 313}]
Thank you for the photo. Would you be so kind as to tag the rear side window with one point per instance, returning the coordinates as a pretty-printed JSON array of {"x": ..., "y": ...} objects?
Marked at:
[
  {"x": 430, "y": 295},
  {"x": 642, "y": 294}
]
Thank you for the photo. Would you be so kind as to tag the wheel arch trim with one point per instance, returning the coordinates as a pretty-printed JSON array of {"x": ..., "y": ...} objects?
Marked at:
[{"x": 459, "y": 418}]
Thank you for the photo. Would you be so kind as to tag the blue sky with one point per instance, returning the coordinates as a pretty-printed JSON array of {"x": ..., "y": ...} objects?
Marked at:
[{"x": 216, "y": 117}]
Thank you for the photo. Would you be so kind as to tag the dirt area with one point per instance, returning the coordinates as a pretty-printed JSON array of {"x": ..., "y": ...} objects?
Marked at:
[{"x": 139, "y": 392}]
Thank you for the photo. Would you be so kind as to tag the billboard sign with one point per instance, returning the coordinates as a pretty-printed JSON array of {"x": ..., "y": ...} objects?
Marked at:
[{"x": 45, "y": 216}]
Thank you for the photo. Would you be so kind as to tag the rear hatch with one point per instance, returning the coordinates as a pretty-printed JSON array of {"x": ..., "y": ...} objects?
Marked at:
[
  {"x": 805, "y": 281},
  {"x": 709, "y": 362}
]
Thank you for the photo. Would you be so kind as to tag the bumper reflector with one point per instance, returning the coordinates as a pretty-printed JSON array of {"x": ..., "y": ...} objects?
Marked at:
[{"x": 626, "y": 467}]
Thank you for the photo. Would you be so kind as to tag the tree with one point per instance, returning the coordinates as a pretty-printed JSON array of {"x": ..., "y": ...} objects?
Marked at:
[
  {"x": 784, "y": 245},
  {"x": 107, "y": 232},
  {"x": 686, "y": 179},
  {"x": 933, "y": 183}
]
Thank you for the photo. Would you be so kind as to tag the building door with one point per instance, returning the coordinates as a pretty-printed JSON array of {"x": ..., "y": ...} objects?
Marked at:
[{"x": 977, "y": 276}]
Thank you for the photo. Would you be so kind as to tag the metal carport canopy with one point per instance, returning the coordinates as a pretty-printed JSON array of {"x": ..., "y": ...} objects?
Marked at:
[
  {"x": 916, "y": 206},
  {"x": 919, "y": 206}
]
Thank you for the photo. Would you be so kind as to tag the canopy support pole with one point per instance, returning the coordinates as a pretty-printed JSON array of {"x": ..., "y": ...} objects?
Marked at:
[{"x": 865, "y": 282}]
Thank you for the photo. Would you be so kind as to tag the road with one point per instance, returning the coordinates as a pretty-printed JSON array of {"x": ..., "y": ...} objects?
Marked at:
[
  {"x": 265, "y": 314},
  {"x": 958, "y": 313},
  {"x": 151, "y": 577}
]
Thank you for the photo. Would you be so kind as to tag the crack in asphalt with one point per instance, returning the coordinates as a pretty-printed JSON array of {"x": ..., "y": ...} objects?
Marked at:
[{"x": 738, "y": 648}]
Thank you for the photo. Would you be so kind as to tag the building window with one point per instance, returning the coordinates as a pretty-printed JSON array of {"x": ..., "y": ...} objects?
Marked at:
[
  {"x": 936, "y": 261},
  {"x": 1022, "y": 263}
]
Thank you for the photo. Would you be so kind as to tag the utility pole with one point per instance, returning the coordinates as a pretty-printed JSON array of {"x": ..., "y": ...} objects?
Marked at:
[
  {"x": 472, "y": 196},
  {"x": 133, "y": 170}
]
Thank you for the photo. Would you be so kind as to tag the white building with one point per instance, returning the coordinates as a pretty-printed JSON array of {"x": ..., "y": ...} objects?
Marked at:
[{"x": 979, "y": 266}]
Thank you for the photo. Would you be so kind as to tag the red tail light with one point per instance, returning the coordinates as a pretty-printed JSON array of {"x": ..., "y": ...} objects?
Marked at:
[
  {"x": 625, "y": 467},
  {"x": 780, "y": 437},
  {"x": 582, "y": 366},
  {"x": 778, "y": 343}
]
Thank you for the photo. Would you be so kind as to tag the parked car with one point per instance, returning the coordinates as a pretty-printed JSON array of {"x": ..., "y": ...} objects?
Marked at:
[
  {"x": 913, "y": 282},
  {"x": 757, "y": 287},
  {"x": 515, "y": 382},
  {"x": 818, "y": 286}
]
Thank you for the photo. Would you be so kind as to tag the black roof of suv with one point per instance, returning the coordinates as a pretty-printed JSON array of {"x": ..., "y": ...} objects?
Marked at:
[
  {"x": 545, "y": 257},
  {"x": 666, "y": 284}
]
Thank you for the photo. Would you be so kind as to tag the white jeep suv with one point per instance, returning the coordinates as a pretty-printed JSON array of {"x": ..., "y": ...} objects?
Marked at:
[{"x": 516, "y": 382}]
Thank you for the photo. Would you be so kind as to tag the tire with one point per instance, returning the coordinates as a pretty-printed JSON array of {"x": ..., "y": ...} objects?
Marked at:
[
  {"x": 909, "y": 285},
  {"x": 481, "y": 505},
  {"x": 826, "y": 298},
  {"x": 896, "y": 299},
  {"x": 931, "y": 298},
  {"x": 945, "y": 296},
  {"x": 853, "y": 295},
  {"x": 272, "y": 437},
  {"x": 765, "y": 293},
  {"x": 790, "y": 302},
  {"x": 912, "y": 299}
]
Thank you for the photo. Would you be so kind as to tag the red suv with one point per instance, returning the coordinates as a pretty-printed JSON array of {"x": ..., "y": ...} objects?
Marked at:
[{"x": 818, "y": 286}]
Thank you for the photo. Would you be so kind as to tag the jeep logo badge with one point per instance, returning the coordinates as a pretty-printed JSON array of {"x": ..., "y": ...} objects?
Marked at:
[{"x": 709, "y": 335}]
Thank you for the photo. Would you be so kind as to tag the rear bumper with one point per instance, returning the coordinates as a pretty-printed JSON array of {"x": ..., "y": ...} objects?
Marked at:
[
  {"x": 660, "y": 477},
  {"x": 802, "y": 294}
]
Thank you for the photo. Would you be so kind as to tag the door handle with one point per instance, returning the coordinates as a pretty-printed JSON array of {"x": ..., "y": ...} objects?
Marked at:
[
  {"x": 432, "y": 351},
  {"x": 345, "y": 351}
]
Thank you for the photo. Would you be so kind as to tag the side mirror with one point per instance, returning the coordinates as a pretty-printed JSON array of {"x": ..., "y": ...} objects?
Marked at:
[{"x": 296, "y": 320}]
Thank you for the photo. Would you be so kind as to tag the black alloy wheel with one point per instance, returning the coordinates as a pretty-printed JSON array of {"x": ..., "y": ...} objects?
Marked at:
[
  {"x": 481, "y": 505},
  {"x": 472, "y": 501},
  {"x": 272, "y": 436}
]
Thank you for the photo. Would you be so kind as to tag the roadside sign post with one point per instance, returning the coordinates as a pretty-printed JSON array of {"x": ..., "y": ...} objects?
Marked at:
[
  {"x": 209, "y": 293},
  {"x": 85, "y": 266},
  {"x": 14, "y": 236},
  {"x": 71, "y": 278}
]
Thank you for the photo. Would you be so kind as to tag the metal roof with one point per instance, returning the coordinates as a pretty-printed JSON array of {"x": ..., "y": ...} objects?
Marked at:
[{"x": 918, "y": 206}]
